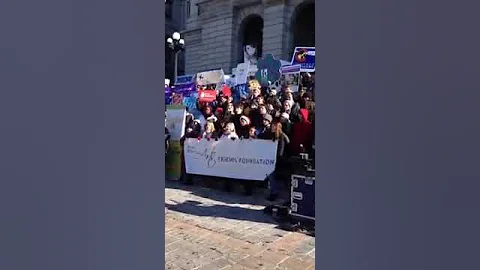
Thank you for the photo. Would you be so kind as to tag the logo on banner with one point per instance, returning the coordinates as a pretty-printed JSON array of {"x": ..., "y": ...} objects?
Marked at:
[
  {"x": 207, "y": 95},
  {"x": 239, "y": 159},
  {"x": 208, "y": 155},
  {"x": 305, "y": 57}
]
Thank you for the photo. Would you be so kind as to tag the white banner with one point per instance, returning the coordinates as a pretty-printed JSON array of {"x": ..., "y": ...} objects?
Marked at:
[{"x": 238, "y": 159}]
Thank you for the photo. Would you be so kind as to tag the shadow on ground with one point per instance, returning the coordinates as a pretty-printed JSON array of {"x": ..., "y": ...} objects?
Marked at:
[
  {"x": 213, "y": 188},
  {"x": 221, "y": 211}
]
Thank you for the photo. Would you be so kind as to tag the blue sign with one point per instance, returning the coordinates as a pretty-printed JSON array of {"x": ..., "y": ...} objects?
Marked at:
[
  {"x": 190, "y": 103},
  {"x": 239, "y": 91},
  {"x": 305, "y": 57},
  {"x": 184, "y": 79}
]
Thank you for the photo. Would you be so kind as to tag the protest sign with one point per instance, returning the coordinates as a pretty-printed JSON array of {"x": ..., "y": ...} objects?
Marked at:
[
  {"x": 207, "y": 95},
  {"x": 291, "y": 77},
  {"x": 186, "y": 89},
  {"x": 238, "y": 159},
  {"x": 215, "y": 77},
  {"x": 177, "y": 98},
  {"x": 176, "y": 121},
  {"x": 241, "y": 73},
  {"x": 190, "y": 102},
  {"x": 176, "y": 126},
  {"x": 268, "y": 70},
  {"x": 168, "y": 95},
  {"x": 184, "y": 79},
  {"x": 231, "y": 81},
  {"x": 239, "y": 91},
  {"x": 304, "y": 56},
  {"x": 285, "y": 63}
]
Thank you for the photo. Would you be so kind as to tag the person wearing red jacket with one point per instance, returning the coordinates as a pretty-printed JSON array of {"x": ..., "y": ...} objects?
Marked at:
[{"x": 302, "y": 134}]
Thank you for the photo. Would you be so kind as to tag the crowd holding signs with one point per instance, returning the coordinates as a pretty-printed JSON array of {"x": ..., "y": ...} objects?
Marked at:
[{"x": 244, "y": 125}]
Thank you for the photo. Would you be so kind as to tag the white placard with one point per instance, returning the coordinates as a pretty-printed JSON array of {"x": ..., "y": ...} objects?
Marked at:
[
  {"x": 290, "y": 75},
  {"x": 176, "y": 121},
  {"x": 210, "y": 77},
  {"x": 241, "y": 73},
  {"x": 238, "y": 159}
]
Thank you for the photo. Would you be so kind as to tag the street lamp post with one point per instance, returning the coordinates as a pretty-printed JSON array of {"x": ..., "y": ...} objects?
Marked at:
[{"x": 176, "y": 44}]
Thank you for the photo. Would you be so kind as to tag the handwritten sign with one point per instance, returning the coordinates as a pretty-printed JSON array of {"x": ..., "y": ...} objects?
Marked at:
[{"x": 239, "y": 159}]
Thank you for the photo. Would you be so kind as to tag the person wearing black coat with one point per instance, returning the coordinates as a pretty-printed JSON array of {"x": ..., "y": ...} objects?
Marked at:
[{"x": 276, "y": 134}]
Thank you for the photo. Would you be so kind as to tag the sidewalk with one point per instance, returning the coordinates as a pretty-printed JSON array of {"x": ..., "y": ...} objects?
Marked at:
[{"x": 210, "y": 229}]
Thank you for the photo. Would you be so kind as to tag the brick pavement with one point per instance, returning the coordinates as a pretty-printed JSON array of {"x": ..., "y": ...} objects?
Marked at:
[{"x": 211, "y": 230}]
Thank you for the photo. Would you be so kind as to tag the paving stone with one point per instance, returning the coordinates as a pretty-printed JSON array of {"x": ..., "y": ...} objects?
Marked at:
[
  {"x": 294, "y": 263},
  {"x": 174, "y": 246},
  {"x": 218, "y": 237},
  {"x": 305, "y": 247},
  {"x": 255, "y": 263},
  {"x": 271, "y": 257},
  {"x": 237, "y": 267},
  {"x": 170, "y": 239},
  {"x": 217, "y": 264}
]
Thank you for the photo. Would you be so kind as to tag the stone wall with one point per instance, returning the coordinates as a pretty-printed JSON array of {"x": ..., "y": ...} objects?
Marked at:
[{"x": 212, "y": 31}]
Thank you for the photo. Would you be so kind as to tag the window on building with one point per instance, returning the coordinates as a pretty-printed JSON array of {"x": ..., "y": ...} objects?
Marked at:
[
  {"x": 188, "y": 7},
  {"x": 199, "y": 10}
]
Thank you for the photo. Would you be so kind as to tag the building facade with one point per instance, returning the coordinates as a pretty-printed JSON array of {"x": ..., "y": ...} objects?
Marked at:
[
  {"x": 217, "y": 30},
  {"x": 175, "y": 20}
]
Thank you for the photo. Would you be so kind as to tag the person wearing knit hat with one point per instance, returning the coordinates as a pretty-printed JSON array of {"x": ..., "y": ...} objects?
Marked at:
[
  {"x": 212, "y": 118},
  {"x": 242, "y": 129},
  {"x": 264, "y": 131},
  {"x": 244, "y": 120}
]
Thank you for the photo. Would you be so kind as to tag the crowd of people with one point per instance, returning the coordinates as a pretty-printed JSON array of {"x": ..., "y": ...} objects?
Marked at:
[{"x": 266, "y": 113}]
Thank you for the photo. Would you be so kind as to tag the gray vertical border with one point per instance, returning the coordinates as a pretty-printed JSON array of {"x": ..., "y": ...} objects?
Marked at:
[
  {"x": 81, "y": 135},
  {"x": 163, "y": 108},
  {"x": 397, "y": 128}
]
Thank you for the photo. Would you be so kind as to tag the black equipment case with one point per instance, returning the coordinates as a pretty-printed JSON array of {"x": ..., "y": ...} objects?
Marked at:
[{"x": 302, "y": 194}]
